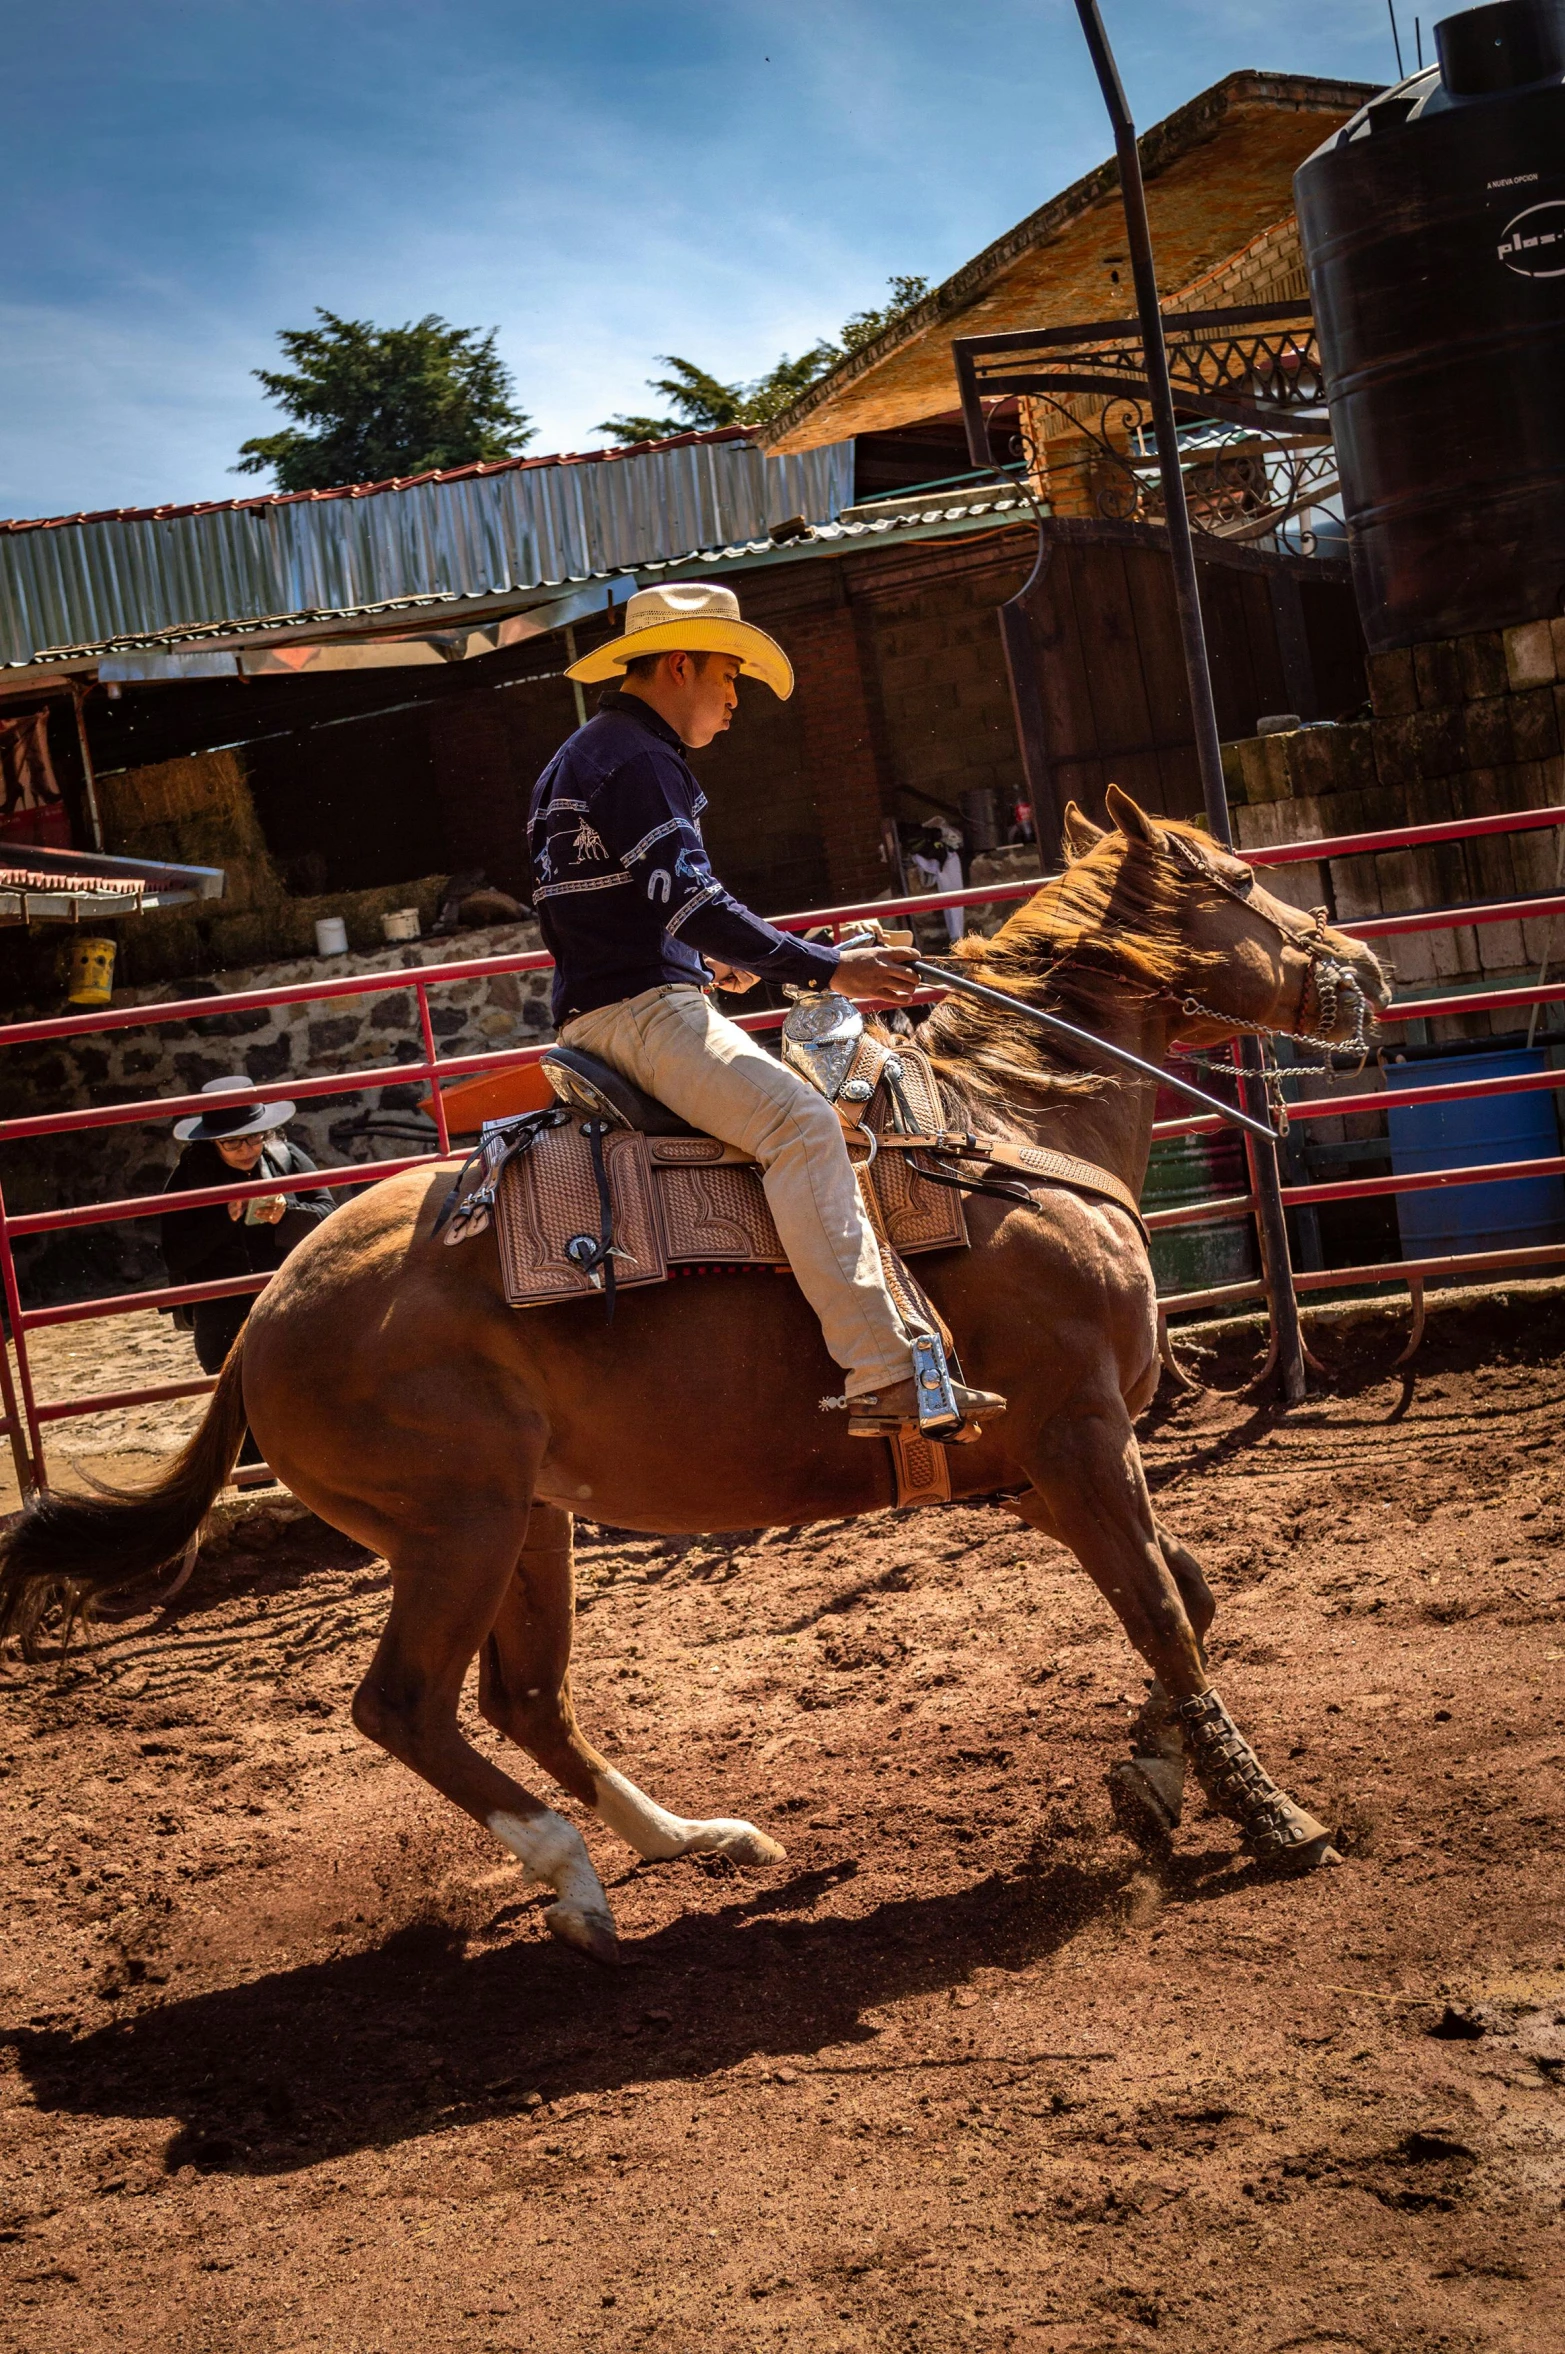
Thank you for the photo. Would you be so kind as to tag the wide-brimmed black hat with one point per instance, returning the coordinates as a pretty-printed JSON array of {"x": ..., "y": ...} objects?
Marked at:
[{"x": 244, "y": 1119}]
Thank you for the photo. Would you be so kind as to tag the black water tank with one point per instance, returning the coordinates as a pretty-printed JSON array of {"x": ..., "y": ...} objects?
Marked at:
[{"x": 1434, "y": 231}]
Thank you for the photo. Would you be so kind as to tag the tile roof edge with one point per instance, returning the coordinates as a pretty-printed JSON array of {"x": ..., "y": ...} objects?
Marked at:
[{"x": 258, "y": 500}]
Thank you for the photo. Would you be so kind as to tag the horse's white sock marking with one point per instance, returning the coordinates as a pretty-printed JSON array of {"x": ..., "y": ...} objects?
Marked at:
[
  {"x": 656, "y": 1834},
  {"x": 552, "y": 1850}
]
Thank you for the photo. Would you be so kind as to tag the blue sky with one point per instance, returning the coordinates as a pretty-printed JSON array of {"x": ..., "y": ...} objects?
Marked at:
[{"x": 602, "y": 182}]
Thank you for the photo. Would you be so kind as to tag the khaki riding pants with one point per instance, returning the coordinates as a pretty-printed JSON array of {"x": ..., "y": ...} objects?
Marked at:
[{"x": 712, "y": 1073}]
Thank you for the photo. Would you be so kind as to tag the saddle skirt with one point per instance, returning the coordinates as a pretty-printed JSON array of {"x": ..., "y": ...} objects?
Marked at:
[{"x": 684, "y": 1202}]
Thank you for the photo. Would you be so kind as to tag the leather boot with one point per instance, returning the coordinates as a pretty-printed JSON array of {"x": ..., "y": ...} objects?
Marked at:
[{"x": 881, "y": 1414}]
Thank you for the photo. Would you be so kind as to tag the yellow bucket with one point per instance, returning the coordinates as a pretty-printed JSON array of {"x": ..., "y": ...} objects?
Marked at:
[{"x": 92, "y": 971}]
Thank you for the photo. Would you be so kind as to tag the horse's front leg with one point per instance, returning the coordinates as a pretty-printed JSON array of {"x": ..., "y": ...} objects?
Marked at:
[
  {"x": 1090, "y": 1492},
  {"x": 524, "y": 1691}
]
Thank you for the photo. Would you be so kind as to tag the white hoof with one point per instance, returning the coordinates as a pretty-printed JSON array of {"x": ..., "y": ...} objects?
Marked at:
[
  {"x": 553, "y": 1851},
  {"x": 656, "y": 1835},
  {"x": 742, "y": 1843}
]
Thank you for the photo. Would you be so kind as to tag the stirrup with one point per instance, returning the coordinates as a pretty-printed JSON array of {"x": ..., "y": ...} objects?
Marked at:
[
  {"x": 869, "y": 1419},
  {"x": 938, "y": 1407},
  {"x": 939, "y": 1415}
]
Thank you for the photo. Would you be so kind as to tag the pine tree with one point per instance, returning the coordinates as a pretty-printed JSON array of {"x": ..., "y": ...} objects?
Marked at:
[
  {"x": 702, "y": 402},
  {"x": 383, "y": 402}
]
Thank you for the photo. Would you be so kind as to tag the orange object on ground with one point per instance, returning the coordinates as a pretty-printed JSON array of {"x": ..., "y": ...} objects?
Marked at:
[{"x": 492, "y": 1095}]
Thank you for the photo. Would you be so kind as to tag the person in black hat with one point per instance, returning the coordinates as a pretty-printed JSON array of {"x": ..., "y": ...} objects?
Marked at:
[{"x": 224, "y": 1147}]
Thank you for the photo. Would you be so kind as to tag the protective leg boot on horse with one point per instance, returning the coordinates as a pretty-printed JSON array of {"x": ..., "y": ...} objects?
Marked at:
[
  {"x": 674, "y": 1045},
  {"x": 1146, "y": 1790}
]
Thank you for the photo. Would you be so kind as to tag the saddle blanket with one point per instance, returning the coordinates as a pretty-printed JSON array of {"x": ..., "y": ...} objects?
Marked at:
[{"x": 679, "y": 1202}]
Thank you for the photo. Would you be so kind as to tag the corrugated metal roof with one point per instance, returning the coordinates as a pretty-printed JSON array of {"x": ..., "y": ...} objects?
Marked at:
[{"x": 520, "y": 526}]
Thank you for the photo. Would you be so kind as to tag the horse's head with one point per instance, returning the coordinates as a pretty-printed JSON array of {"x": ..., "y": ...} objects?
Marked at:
[{"x": 1236, "y": 956}]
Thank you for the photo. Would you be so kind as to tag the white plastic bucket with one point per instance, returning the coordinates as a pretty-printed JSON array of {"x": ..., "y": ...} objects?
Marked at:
[
  {"x": 401, "y": 923},
  {"x": 331, "y": 936}
]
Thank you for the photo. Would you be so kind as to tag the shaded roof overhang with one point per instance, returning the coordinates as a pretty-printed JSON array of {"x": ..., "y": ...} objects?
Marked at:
[
  {"x": 1218, "y": 172},
  {"x": 39, "y": 885}
]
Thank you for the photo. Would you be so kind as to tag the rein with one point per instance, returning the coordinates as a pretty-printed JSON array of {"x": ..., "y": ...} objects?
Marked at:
[{"x": 945, "y": 978}]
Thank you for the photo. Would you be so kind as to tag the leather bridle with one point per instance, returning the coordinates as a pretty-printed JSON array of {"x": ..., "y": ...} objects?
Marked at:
[{"x": 1327, "y": 980}]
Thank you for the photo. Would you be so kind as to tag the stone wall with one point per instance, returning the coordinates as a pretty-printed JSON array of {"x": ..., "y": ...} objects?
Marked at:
[
  {"x": 271, "y": 1045},
  {"x": 1466, "y": 727}
]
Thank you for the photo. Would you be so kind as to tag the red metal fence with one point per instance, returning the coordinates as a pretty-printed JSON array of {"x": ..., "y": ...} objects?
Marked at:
[{"x": 25, "y": 1416}]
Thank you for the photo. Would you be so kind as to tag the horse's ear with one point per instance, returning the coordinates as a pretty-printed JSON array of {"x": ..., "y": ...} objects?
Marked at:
[
  {"x": 1131, "y": 819},
  {"x": 1081, "y": 835}
]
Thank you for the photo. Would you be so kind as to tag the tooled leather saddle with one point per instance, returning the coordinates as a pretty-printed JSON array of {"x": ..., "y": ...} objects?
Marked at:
[
  {"x": 610, "y": 1190},
  {"x": 678, "y": 1201}
]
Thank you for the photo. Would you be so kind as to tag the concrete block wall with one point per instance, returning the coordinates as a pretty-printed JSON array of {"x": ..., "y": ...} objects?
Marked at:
[
  {"x": 949, "y": 725},
  {"x": 1466, "y": 726},
  {"x": 838, "y": 719},
  {"x": 271, "y": 1045}
]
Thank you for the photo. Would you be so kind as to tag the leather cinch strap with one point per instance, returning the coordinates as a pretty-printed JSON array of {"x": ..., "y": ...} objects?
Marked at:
[
  {"x": 1061, "y": 1168},
  {"x": 1030, "y": 1160}
]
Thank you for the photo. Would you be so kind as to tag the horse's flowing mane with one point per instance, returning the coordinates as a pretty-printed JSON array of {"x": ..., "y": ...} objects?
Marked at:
[{"x": 1108, "y": 927}]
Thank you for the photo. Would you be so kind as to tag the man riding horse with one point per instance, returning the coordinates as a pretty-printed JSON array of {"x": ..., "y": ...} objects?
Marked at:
[
  {"x": 400, "y": 1396},
  {"x": 640, "y": 928}
]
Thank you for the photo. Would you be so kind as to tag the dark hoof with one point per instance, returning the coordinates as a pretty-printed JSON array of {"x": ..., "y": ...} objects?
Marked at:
[
  {"x": 592, "y": 1933},
  {"x": 1140, "y": 1812}
]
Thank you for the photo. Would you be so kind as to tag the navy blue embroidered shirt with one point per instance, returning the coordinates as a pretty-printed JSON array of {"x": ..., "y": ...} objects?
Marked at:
[{"x": 625, "y": 895}]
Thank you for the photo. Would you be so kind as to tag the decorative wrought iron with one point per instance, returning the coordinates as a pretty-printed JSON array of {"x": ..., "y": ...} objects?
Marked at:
[{"x": 1258, "y": 457}]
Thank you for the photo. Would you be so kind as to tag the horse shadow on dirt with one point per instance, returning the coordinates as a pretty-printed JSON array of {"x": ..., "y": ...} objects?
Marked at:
[{"x": 416, "y": 2036}]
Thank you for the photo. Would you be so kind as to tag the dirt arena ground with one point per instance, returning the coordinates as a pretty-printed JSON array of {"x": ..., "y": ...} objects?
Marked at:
[{"x": 287, "y": 2062}]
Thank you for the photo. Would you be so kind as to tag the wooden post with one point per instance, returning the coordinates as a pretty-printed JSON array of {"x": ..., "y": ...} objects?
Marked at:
[
  {"x": 89, "y": 781},
  {"x": 581, "y": 700}
]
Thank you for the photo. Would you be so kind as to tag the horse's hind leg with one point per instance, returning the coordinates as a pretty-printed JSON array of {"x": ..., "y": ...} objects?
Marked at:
[
  {"x": 1148, "y": 1787},
  {"x": 444, "y": 1599},
  {"x": 1091, "y": 1493},
  {"x": 524, "y": 1690}
]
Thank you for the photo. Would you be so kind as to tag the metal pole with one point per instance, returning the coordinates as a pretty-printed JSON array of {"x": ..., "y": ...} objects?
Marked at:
[
  {"x": 26, "y": 1435},
  {"x": 1203, "y": 711},
  {"x": 436, "y": 1097},
  {"x": 14, "y": 1427}
]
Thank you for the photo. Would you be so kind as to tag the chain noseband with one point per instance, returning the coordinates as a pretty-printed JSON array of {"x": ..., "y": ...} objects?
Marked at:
[{"x": 1326, "y": 977}]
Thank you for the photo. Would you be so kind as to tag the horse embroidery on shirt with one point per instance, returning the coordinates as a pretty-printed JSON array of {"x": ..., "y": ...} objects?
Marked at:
[{"x": 587, "y": 842}]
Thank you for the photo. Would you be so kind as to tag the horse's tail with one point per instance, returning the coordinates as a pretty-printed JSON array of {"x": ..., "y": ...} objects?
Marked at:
[{"x": 70, "y": 1551}]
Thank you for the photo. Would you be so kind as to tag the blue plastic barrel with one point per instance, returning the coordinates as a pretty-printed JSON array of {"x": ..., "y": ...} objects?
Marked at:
[{"x": 1501, "y": 1217}]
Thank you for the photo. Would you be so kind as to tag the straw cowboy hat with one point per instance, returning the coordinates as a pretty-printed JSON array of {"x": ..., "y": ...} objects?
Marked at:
[
  {"x": 243, "y": 1119},
  {"x": 688, "y": 617}
]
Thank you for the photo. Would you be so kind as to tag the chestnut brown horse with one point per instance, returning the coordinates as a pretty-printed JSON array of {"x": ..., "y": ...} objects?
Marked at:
[{"x": 400, "y": 1398}]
